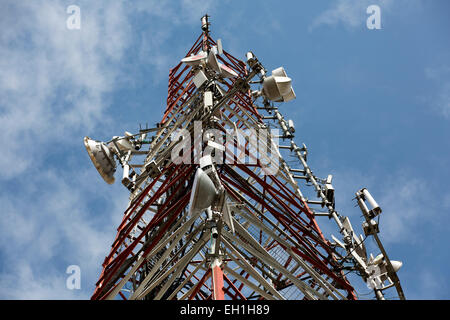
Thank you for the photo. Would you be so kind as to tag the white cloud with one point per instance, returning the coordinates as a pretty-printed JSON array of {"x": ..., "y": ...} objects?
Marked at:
[
  {"x": 425, "y": 283},
  {"x": 432, "y": 286},
  {"x": 53, "y": 79},
  {"x": 168, "y": 16},
  {"x": 53, "y": 227},
  {"x": 414, "y": 214},
  {"x": 440, "y": 102},
  {"x": 54, "y": 88},
  {"x": 406, "y": 201},
  {"x": 25, "y": 284}
]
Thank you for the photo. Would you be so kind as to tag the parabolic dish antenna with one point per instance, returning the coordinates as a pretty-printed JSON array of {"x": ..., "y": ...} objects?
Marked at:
[{"x": 102, "y": 158}]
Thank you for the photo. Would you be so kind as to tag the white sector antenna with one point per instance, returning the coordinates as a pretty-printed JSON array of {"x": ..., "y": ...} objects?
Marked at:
[
  {"x": 203, "y": 192},
  {"x": 213, "y": 63},
  {"x": 278, "y": 87},
  {"x": 226, "y": 71},
  {"x": 195, "y": 60}
]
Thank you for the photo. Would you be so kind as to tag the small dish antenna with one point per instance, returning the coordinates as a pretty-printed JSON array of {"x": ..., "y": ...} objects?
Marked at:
[{"x": 102, "y": 158}]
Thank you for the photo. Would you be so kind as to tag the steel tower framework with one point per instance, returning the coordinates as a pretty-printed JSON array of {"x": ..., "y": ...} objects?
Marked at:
[{"x": 259, "y": 238}]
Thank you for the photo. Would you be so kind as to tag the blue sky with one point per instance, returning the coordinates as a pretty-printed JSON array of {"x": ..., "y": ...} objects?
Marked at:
[{"x": 373, "y": 107}]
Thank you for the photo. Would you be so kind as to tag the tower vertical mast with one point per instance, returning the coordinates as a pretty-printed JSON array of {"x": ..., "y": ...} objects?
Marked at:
[{"x": 215, "y": 211}]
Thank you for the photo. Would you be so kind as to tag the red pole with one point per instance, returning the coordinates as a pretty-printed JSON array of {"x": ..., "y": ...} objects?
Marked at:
[{"x": 217, "y": 280}]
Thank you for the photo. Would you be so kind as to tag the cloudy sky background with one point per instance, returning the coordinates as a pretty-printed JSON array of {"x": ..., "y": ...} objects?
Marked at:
[{"x": 373, "y": 107}]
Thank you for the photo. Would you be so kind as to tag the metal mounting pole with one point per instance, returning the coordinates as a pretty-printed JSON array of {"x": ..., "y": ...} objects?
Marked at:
[{"x": 390, "y": 269}]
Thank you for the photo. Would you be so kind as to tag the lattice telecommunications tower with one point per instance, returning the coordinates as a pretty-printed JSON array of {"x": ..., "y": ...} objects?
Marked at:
[{"x": 215, "y": 212}]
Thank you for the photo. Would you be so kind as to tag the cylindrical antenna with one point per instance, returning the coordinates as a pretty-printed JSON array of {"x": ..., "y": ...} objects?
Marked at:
[
  {"x": 205, "y": 23},
  {"x": 375, "y": 208},
  {"x": 205, "y": 28}
]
